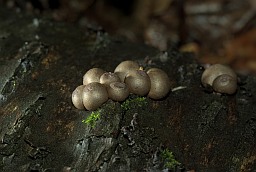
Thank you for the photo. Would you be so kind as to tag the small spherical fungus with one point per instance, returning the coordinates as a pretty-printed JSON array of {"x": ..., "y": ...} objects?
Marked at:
[
  {"x": 213, "y": 72},
  {"x": 94, "y": 95},
  {"x": 221, "y": 78},
  {"x": 118, "y": 91},
  {"x": 225, "y": 84},
  {"x": 138, "y": 82},
  {"x": 160, "y": 83},
  {"x": 77, "y": 97},
  {"x": 124, "y": 67},
  {"x": 109, "y": 77},
  {"x": 92, "y": 75}
]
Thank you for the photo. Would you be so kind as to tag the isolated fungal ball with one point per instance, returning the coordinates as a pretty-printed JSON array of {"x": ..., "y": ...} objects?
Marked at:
[
  {"x": 124, "y": 67},
  {"x": 213, "y": 72},
  {"x": 109, "y": 77},
  {"x": 160, "y": 83},
  {"x": 92, "y": 75},
  {"x": 77, "y": 97},
  {"x": 225, "y": 84},
  {"x": 221, "y": 78},
  {"x": 118, "y": 91},
  {"x": 94, "y": 95},
  {"x": 138, "y": 82}
]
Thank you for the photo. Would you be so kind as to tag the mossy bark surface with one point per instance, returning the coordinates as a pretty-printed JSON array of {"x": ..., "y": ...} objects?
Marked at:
[{"x": 42, "y": 62}]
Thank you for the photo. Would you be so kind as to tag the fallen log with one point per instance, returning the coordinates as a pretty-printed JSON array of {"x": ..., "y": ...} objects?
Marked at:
[{"x": 42, "y": 62}]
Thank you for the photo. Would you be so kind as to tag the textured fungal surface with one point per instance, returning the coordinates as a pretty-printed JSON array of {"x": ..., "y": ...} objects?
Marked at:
[
  {"x": 220, "y": 78},
  {"x": 214, "y": 71},
  {"x": 225, "y": 84},
  {"x": 92, "y": 75},
  {"x": 118, "y": 91},
  {"x": 138, "y": 82},
  {"x": 124, "y": 67},
  {"x": 94, "y": 95},
  {"x": 160, "y": 83},
  {"x": 77, "y": 99},
  {"x": 109, "y": 77}
]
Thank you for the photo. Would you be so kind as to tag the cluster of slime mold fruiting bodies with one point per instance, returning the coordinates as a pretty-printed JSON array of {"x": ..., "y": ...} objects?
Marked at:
[{"x": 128, "y": 78}]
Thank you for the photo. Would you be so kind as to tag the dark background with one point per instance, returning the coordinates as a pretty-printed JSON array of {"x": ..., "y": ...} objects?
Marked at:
[{"x": 217, "y": 31}]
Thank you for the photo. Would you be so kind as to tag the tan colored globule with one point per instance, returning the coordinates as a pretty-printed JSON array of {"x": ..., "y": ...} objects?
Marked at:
[
  {"x": 118, "y": 91},
  {"x": 213, "y": 72},
  {"x": 138, "y": 82},
  {"x": 77, "y": 97},
  {"x": 109, "y": 77},
  {"x": 160, "y": 83},
  {"x": 94, "y": 95},
  {"x": 92, "y": 75},
  {"x": 225, "y": 84},
  {"x": 124, "y": 67}
]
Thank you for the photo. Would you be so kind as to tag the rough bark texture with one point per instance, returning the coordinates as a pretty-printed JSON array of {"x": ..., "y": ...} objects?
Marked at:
[{"x": 42, "y": 62}]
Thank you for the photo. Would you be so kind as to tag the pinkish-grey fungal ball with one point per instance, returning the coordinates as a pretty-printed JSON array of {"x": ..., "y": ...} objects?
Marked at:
[
  {"x": 213, "y": 72},
  {"x": 124, "y": 67},
  {"x": 77, "y": 97},
  {"x": 109, "y": 77},
  {"x": 225, "y": 84},
  {"x": 138, "y": 82},
  {"x": 92, "y": 75},
  {"x": 118, "y": 91},
  {"x": 160, "y": 83},
  {"x": 94, "y": 95}
]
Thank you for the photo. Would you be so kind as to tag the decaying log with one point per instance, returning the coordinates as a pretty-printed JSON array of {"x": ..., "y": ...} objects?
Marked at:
[{"x": 42, "y": 62}]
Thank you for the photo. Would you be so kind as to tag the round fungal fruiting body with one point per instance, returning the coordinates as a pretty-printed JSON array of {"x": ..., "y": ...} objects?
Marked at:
[
  {"x": 94, "y": 95},
  {"x": 124, "y": 67},
  {"x": 213, "y": 72},
  {"x": 109, "y": 77},
  {"x": 225, "y": 84},
  {"x": 92, "y": 75},
  {"x": 118, "y": 91},
  {"x": 77, "y": 97},
  {"x": 138, "y": 82},
  {"x": 160, "y": 83}
]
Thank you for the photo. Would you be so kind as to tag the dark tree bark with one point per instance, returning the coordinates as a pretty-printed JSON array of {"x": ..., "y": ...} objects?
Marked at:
[{"x": 42, "y": 62}]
